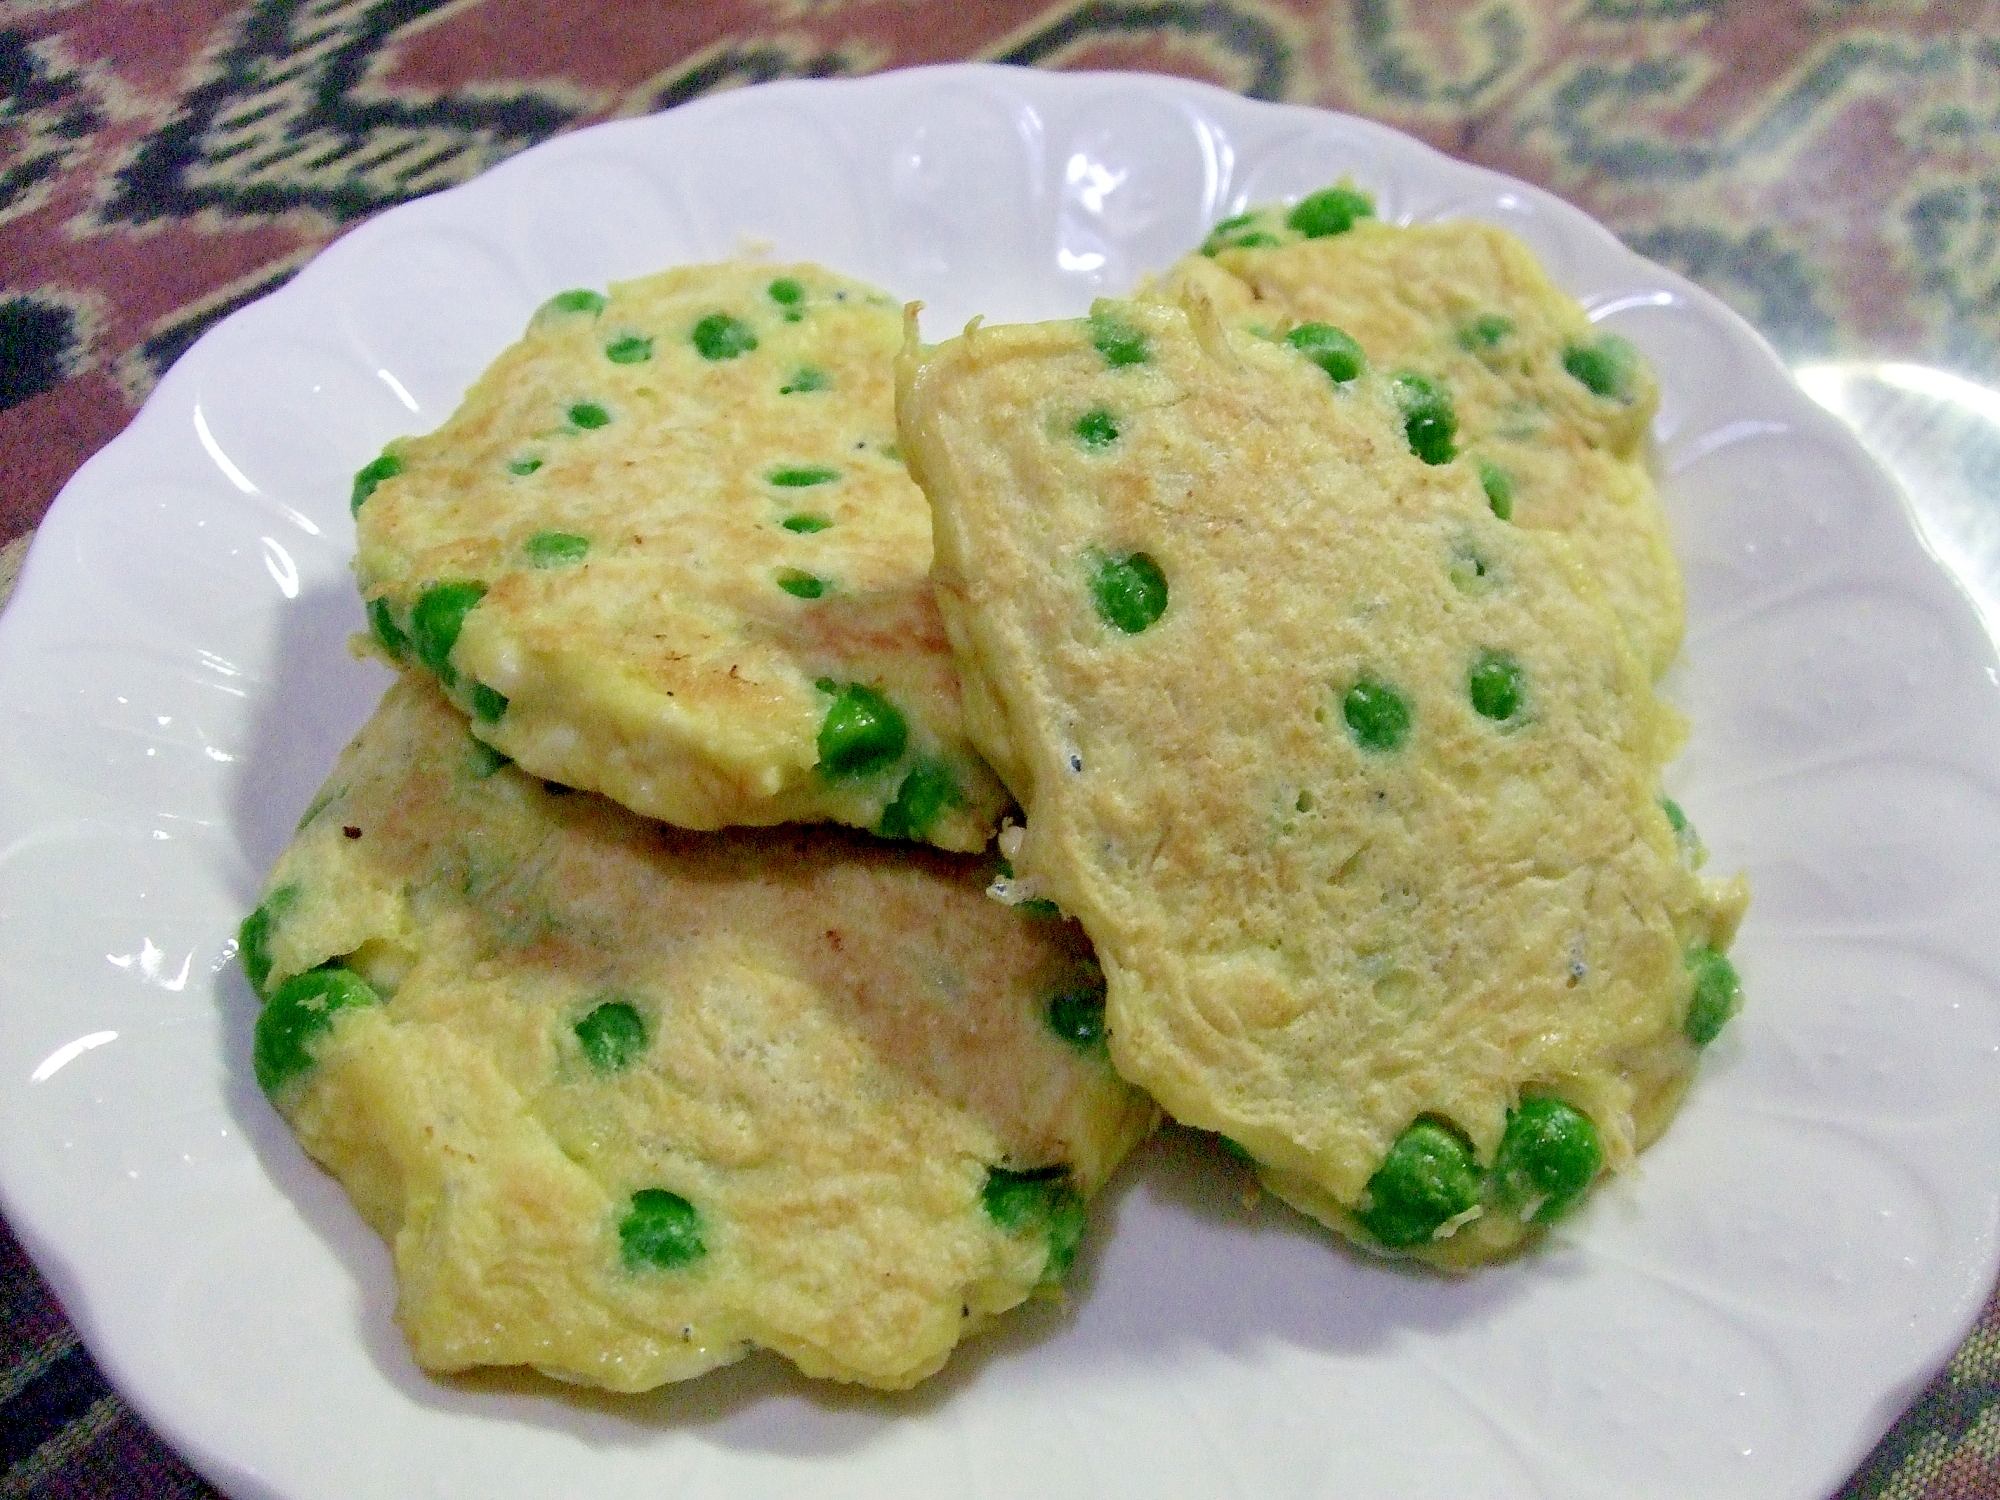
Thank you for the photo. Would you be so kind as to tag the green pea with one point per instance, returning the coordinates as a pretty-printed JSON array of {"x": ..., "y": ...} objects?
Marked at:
[
  {"x": 926, "y": 793},
  {"x": 1231, "y": 233},
  {"x": 801, "y": 477},
  {"x": 1097, "y": 429},
  {"x": 436, "y": 621},
  {"x": 786, "y": 292},
  {"x": 1067, "y": 1221},
  {"x": 521, "y": 467},
  {"x": 800, "y": 584},
  {"x": 863, "y": 732},
  {"x": 1328, "y": 347},
  {"x": 805, "y": 524},
  {"x": 1039, "y": 1201},
  {"x": 253, "y": 938},
  {"x": 630, "y": 350},
  {"x": 488, "y": 704},
  {"x": 556, "y": 549},
  {"x": 485, "y": 759},
  {"x": 1330, "y": 211},
  {"x": 1077, "y": 1016},
  {"x": 1718, "y": 995},
  {"x": 1254, "y": 239},
  {"x": 1429, "y": 422},
  {"x": 297, "y": 1015},
  {"x": 806, "y": 379},
  {"x": 719, "y": 336},
  {"x": 368, "y": 476},
  {"x": 1605, "y": 367},
  {"x": 382, "y": 625},
  {"x": 1499, "y": 487},
  {"x": 612, "y": 1035},
  {"x": 1687, "y": 842},
  {"x": 1130, "y": 591},
  {"x": 1428, "y": 1178},
  {"x": 1495, "y": 685},
  {"x": 1547, "y": 1158},
  {"x": 660, "y": 1232},
  {"x": 1015, "y": 1201},
  {"x": 1118, "y": 340},
  {"x": 579, "y": 300},
  {"x": 1376, "y": 715},
  {"x": 589, "y": 416},
  {"x": 1484, "y": 332}
]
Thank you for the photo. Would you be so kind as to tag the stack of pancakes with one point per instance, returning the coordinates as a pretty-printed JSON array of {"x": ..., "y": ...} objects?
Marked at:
[{"x": 1307, "y": 606}]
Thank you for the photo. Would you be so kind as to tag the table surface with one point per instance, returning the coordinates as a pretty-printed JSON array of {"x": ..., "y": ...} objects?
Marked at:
[{"x": 1831, "y": 168}]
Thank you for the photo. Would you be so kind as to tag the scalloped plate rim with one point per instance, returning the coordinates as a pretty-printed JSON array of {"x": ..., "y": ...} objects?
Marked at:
[{"x": 37, "y": 609}]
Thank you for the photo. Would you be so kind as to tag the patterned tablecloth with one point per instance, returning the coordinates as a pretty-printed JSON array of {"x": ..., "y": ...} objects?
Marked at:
[{"x": 1830, "y": 167}]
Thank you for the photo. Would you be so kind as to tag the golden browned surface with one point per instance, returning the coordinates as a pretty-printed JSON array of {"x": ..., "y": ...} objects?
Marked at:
[
  {"x": 667, "y": 668},
  {"x": 1467, "y": 304},
  {"x": 841, "y": 1037},
  {"x": 1308, "y": 943}
]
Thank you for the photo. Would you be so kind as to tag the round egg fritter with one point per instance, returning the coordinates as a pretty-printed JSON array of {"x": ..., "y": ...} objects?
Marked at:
[
  {"x": 1353, "y": 783},
  {"x": 628, "y": 1101},
  {"x": 662, "y": 544},
  {"x": 1551, "y": 413}
]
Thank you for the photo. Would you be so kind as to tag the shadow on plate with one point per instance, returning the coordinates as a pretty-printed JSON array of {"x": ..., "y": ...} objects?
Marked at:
[
  {"x": 1185, "y": 1260},
  {"x": 1176, "y": 1266},
  {"x": 301, "y": 718}
]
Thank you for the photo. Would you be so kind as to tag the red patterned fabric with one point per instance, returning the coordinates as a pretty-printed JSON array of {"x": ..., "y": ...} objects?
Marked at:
[{"x": 1831, "y": 167}]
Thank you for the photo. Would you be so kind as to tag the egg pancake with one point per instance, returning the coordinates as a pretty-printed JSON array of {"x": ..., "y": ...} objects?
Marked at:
[
  {"x": 1353, "y": 784},
  {"x": 628, "y": 1101},
  {"x": 666, "y": 550}
]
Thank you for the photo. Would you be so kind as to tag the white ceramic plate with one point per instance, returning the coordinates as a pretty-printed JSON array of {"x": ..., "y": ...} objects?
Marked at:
[{"x": 1742, "y": 1318}]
